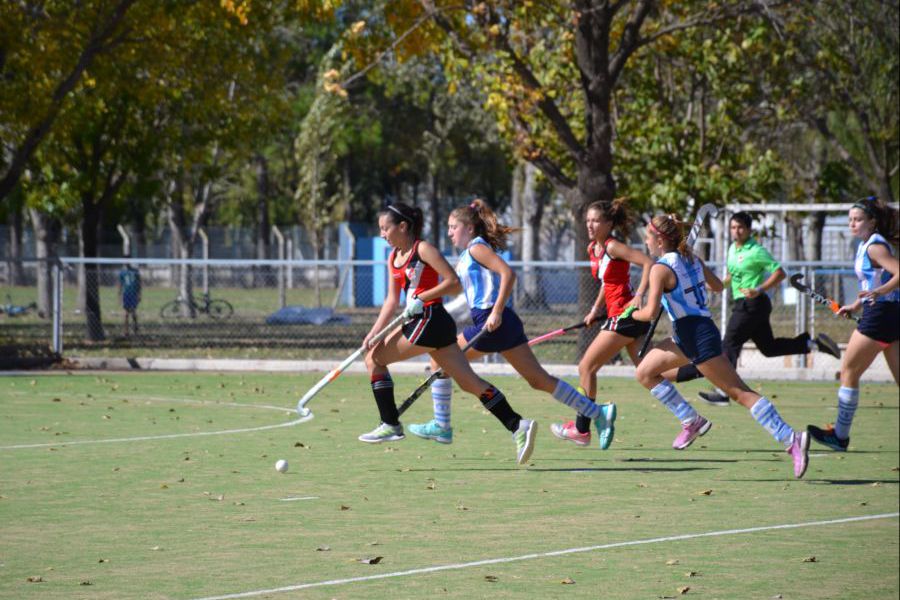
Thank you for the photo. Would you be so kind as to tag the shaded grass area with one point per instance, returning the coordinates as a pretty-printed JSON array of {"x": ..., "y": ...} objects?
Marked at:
[{"x": 196, "y": 516}]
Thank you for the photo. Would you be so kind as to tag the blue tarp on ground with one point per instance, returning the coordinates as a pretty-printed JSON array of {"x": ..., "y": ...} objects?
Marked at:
[{"x": 300, "y": 315}]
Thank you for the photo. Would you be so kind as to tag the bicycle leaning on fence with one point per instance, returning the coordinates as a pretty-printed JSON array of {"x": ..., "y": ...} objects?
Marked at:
[{"x": 181, "y": 307}]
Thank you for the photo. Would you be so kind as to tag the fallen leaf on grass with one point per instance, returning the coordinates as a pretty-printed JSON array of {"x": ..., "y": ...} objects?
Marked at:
[
  {"x": 370, "y": 561},
  {"x": 299, "y": 445},
  {"x": 568, "y": 581},
  {"x": 684, "y": 590},
  {"x": 810, "y": 559},
  {"x": 374, "y": 543},
  {"x": 86, "y": 582},
  {"x": 344, "y": 507},
  {"x": 103, "y": 560},
  {"x": 671, "y": 562},
  {"x": 35, "y": 579},
  {"x": 323, "y": 549},
  {"x": 156, "y": 548},
  {"x": 491, "y": 578},
  {"x": 691, "y": 574},
  {"x": 706, "y": 493}
]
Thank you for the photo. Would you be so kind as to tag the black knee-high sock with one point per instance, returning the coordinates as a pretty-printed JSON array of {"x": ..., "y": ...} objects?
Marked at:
[
  {"x": 383, "y": 389},
  {"x": 494, "y": 400},
  {"x": 582, "y": 423}
]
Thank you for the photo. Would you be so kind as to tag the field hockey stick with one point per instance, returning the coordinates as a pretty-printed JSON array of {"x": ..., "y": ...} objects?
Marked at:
[
  {"x": 334, "y": 373},
  {"x": 707, "y": 210},
  {"x": 421, "y": 389},
  {"x": 437, "y": 374},
  {"x": 801, "y": 287}
]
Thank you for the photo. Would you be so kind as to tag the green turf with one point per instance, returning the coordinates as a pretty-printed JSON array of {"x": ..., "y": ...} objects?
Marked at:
[{"x": 197, "y": 516}]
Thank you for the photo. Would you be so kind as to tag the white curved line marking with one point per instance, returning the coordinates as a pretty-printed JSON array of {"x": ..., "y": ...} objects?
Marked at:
[
  {"x": 175, "y": 435},
  {"x": 509, "y": 559}
]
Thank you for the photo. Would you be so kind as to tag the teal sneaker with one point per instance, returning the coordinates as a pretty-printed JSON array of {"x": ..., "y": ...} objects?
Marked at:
[
  {"x": 606, "y": 425},
  {"x": 524, "y": 439},
  {"x": 432, "y": 431},
  {"x": 383, "y": 433}
]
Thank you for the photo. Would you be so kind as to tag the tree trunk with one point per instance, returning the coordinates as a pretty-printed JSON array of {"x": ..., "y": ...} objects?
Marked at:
[
  {"x": 46, "y": 233},
  {"x": 16, "y": 226},
  {"x": 262, "y": 275},
  {"x": 532, "y": 215},
  {"x": 90, "y": 226},
  {"x": 812, "y": 241},
  {"x": 434, "y": 209}
]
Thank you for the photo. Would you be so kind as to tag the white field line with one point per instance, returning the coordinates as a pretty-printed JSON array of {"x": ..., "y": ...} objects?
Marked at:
[
  {"x": 170, "y": 436},
  {"x": 296, "y": 498},
  {"x": 495, "y": 561}
]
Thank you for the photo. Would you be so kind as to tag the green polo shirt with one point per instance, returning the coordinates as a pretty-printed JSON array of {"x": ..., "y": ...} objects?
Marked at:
[{"x": 749, "y": 266}]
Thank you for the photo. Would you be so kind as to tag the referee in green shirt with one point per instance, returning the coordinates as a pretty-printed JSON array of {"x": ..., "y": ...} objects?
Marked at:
[{"x": 752, "y": 272}]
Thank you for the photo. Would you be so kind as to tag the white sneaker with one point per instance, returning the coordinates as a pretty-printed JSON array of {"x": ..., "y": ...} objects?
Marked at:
[
  {"x": 524, "y": 439},
  {"x": 383, "y": 433}
]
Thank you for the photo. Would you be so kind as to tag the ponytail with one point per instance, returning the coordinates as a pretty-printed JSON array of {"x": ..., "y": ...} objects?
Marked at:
[
  {"x": 671, "y": 228},
  {"x": 617, "y": 213},
  {"x": 886, "y": 217},
  {"x": 484, "y": 223}
]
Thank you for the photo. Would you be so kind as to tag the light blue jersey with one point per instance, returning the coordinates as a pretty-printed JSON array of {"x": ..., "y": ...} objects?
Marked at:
[
  {"x": 481, "y": 285},
  {"x": 688, "y": 298},
  {"x": 870, "y": 276}
]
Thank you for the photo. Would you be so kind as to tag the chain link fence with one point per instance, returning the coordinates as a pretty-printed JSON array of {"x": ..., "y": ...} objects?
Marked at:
[{"x": 254, "y": 309}]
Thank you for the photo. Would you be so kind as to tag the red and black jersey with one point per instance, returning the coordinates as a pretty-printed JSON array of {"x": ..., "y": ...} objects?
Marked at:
[
  {"x": 415, "y": 276},
  {"x": 613, "y": 274}
]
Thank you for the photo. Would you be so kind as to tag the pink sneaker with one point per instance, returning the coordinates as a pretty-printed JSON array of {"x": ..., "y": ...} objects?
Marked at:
[
  {"x": 569, "y": 432},
  {"x": 799, "y": 451},
  {"x": 690, "y": 432}
]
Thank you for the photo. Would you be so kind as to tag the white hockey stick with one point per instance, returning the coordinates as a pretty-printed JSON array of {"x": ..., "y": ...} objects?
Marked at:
[{"x": 334, "y": 373}]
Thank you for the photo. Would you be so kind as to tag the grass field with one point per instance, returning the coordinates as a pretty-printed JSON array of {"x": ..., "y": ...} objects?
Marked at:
[{"x": 96, "y": 505}]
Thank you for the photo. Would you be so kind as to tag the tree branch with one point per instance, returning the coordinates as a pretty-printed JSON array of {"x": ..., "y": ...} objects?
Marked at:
[
  {"x": 546, "y": 105},
  {"x": 36, "y": 134}
]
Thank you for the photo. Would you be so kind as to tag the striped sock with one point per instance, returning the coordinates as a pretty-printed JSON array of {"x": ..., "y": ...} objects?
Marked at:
[
  {"x": 569, "y": 396},
  {"x": 441, "y": 390},
  {"x": 383, "y": 389},
  {"x": 767, "y": 415},
  {"x": 848, "y": 400},
  {"x": 666, "y": 393}
]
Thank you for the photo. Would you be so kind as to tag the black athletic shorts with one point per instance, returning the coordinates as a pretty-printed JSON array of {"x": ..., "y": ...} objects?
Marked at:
[{"x": 434, "y": 328}]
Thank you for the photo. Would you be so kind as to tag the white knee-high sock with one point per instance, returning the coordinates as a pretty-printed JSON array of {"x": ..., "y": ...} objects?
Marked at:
[
  {"x": 441, "y": 391},
  {"x": 767, "y": 415},
  {"x": 848, "y": 400},
  {"x": 569, "y": 396},
  {"x": 666, "y": 393}
]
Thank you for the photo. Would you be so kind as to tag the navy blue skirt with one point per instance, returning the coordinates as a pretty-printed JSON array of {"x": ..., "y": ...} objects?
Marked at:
[
  {"x": 881, "y": 322},
  {"x": 698, "y": 338},
  {"x": 510, "y": 334}
]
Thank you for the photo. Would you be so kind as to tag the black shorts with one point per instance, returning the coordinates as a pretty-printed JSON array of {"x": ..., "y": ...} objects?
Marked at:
[
  {"x": 627, "y": 327},
  {"x": 510, "y": 334},
  {"x": 698, "y": 338},
  {"x": 434, "y": 328},
  {"x": 881, "y": 322}
]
